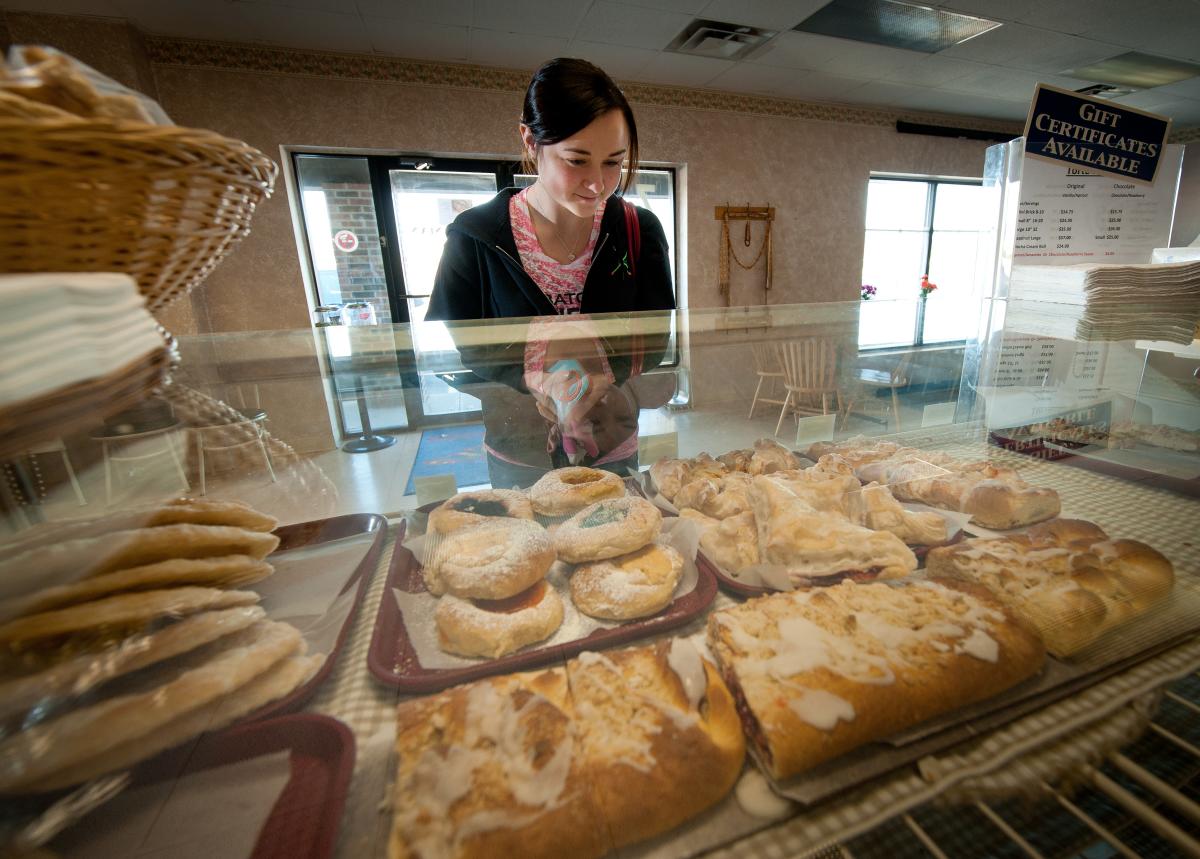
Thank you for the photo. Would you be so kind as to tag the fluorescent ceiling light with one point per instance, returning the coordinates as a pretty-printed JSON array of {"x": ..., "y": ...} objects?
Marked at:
[
  {"x": 895, "y": 24},
  {"x": 1140, "y": 71}
]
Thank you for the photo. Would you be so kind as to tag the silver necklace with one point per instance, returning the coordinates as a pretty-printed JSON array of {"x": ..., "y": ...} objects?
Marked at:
[{"x": 561, "y": 243}]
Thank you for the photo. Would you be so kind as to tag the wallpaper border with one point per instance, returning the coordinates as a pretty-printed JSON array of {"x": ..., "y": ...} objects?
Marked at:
[{"x": 189, "y": 53}]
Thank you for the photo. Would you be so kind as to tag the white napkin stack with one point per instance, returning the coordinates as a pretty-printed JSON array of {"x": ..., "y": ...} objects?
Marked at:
[
  {"x": 60, "y": 329},
  {"x": 1106, "y": 302}
]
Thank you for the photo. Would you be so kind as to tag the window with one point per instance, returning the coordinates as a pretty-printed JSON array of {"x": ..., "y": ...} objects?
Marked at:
[{"x": 916, "y": 227}]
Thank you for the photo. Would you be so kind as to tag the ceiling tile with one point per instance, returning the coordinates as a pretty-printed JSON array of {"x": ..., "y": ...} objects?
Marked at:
[
  {"x": 817, "y": 86},
  {"x": 418, "y": 40},
  {"x": 1022, "y": 47},
  {"x": 619, "y": 61},
  {"x": 1007, "y": 10},
  {"x": 1165, "y": 27},
  {"x": 931, "y": 70},
  {"x": 682, "y": 70},
  {"x": 1189, "y": 88},
  {"x": 1181, "y": 44},
  {"x": 997, "y": 82},
  {"x": 861, "y": 60},
  {"x": 633, "y": 26},
  {"x": 560, "y": 18},
  {"x": 307, "y": 28},
  {"x": 786, "y": 83},
  {"x": 453, "y": 12},
  {"x": 883, "y": 94},
  {"x": 513, "y": 50},
  {"x": 968, "y": 104},
  {"x": 194, "y": 19},
  {"x": 767, "y": 14},
  {"x": 1185, "y": 112},
  {"x": 1073, "y": 16},
  {"x": 788, "y": 51},
  {"x": 1147, "y": 99},
  {"x": 754, "y": 78}
]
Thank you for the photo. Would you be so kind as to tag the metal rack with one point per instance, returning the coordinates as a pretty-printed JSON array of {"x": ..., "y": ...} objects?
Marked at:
[{"x": 1141, "y": 801}]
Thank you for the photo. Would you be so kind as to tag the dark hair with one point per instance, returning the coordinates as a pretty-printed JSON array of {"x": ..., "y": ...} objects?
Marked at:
[{"x": 566, "y": 95}]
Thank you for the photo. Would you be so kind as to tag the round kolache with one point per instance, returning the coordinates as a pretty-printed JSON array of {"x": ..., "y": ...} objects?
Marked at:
[
  {"x": 630, "y": 586},
  {"x": 474, "y": 508},
  {"x": 496, "y": 628},
  {"x": 607, "y": 529},
  {"x": 493, "y": 560},
  {"x": 565, "y": 491}
]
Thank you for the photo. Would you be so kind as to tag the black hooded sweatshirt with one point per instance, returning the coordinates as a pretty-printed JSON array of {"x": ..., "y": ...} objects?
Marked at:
[{"x": 481, "y": 277}]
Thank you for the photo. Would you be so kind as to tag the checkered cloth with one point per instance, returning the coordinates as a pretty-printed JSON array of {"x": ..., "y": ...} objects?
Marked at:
[{"x": 1037, "y": 746}]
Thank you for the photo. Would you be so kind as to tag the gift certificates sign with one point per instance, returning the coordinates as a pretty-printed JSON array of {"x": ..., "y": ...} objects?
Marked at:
[{"x": 1095, "y": 135}]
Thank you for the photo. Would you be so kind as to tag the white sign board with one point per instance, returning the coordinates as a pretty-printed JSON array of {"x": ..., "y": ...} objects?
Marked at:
[{"x": 1069, "y": 216}]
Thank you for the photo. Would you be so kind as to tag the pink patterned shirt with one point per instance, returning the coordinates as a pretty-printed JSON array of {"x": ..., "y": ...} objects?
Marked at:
[{"x": 562, "y": 283}]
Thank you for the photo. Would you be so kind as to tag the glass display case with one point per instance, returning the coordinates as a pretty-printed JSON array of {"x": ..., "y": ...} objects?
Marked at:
[{"x": 802, "y": 596}]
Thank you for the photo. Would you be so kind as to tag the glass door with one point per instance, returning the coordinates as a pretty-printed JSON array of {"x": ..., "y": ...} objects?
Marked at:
[
  {"x": 423, "y": 200},
  {"x": 341, "y": 229}
]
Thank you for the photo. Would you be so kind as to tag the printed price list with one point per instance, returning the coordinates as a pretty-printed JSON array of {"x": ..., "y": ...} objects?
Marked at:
[{"x": 1070, "y": 216}]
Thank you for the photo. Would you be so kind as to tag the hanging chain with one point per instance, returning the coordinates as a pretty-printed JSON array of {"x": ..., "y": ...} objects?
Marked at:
[{"x": 761, "y": 249}]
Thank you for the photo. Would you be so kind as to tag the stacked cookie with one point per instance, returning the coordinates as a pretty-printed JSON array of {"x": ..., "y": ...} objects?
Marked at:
[{"x": 126, "y": 635}]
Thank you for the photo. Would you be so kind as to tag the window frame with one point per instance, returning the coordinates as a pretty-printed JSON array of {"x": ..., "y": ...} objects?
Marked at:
[{"x": 932, "y": 183}]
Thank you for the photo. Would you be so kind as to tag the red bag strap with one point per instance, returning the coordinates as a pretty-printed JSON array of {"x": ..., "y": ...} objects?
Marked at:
[
  {"x": 633, "y": 240},
  {"x": 633, "y": 234}
]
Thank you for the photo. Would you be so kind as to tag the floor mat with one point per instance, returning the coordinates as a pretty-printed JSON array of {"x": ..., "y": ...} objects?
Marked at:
[{"x": 451, "y": 450}]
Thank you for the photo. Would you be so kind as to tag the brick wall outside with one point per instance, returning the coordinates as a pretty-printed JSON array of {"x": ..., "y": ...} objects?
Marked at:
[{"x": 360, "y": 272}]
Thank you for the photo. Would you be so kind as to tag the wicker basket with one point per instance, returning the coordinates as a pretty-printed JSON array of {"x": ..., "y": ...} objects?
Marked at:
[{"x": 162, "y": 204}]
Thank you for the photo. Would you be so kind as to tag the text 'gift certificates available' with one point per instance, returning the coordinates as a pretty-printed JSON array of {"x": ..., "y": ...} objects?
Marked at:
[{"x": 1095, "y": 135}]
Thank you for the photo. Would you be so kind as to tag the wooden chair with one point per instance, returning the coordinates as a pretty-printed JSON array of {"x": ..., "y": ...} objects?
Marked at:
[
  {"x": 869, "y": 381},
  {"x": 766, "y": 366},
  {"x": 809, "y": 375}
]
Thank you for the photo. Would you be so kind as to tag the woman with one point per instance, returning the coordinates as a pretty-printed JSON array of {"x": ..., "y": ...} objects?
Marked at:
[{"x": 560, "y": 247}]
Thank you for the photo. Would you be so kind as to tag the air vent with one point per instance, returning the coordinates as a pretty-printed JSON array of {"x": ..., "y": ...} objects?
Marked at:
[
  {"x": 897, "y": 25},
  {"x": 717, "y": 39},
  {"x": 1105, "y": 90},
  {"x": 1134, "y": 70}
]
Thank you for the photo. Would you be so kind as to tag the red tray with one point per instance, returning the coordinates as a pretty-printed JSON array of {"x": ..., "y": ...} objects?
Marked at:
[
  {"x": 303, "y": 824},
  {"x": 1060, "y": 451},
  {"x": 393, "y": 661},
  {"x": 307, "y": 534}
]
